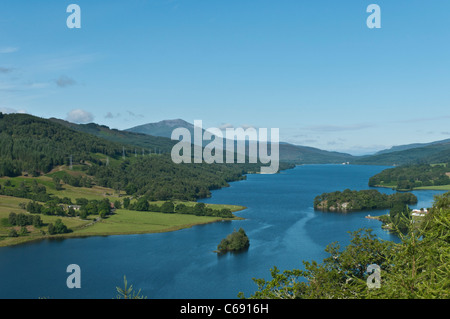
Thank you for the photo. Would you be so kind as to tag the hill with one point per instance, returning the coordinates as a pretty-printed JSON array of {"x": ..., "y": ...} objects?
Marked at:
[
  {"x": 289, "y": 153},
  {"x": 410, "y": 146},
  {"x": 151, "y": 143},
  {"x": 34, "y": 146},
  {"x": 162, "y": 128},
  {"x": 438, "y": 152}
]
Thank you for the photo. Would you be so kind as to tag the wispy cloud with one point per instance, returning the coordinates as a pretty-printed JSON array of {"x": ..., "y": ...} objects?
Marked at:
[
  {"x": 339, "y": 128},
  {"x": 6, "y": 50},
  {"x": 109, "y": 115},
  {"x": 132, "y": 114},
  {"x": 423, "y": 119},
  {"x": 6, "y": 70},
  {"x": 65, "y": 81}
]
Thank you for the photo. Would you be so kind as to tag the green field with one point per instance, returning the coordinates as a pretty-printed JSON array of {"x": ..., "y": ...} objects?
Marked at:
[
  {"x": 122, "y": 221},
  {"x": 438, "y": 188}
]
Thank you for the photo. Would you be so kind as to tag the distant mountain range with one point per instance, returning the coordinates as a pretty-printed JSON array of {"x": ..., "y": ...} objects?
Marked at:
[
  {"x": 289, "y": 153},
  {"x": 155, "y": 138},
  {"x": 434, "y": 152}
]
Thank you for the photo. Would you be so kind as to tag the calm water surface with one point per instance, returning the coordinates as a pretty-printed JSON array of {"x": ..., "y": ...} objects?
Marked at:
[{"x": 280, "y": 221}]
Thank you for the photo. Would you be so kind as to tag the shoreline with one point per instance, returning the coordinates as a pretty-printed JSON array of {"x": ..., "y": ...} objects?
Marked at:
[
  {"x": 422, "y": 188},
  {"x": 149, "y": 223}
]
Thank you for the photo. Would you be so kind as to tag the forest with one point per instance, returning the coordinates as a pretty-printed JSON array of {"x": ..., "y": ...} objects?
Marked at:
[
  {"x": 34, "y": 146},
  {"x": 351, "y": 200},
  {"x": 409, "y": 177}
]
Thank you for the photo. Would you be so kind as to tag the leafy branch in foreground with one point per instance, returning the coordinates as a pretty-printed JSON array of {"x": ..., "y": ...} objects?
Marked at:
[
  {"x": 128, "y": 292},
  {"x": 417, "y": 267}
]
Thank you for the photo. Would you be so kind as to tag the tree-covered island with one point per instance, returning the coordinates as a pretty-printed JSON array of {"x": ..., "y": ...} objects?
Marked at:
[
  {"x": 351, "y": 200},
  {"x": 234, "y": 242}
]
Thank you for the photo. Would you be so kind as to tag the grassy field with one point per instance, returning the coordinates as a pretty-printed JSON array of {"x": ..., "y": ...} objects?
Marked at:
[
  {"x": 121, "y": 222},
  {"x": 133, "y": 222},
  {"x": 438, "y": 188}
]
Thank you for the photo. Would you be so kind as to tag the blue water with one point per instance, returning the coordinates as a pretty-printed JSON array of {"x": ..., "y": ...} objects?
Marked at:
[{"x": 280, "y": 221}]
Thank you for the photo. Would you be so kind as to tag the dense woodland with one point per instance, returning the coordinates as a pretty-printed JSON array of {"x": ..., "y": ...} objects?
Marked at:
[
  {"x": 409, "y": 177},
  {"x": 34, "y": 146},
  {"x": 351, "y": 200}
]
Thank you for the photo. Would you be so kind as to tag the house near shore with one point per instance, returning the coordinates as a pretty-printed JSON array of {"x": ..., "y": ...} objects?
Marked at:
[{"x": 419, "y": 212}]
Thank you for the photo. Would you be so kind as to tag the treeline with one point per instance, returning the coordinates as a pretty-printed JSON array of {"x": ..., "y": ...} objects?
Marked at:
[
  {"x": 83, "y": 208},
  {"x": 351, "y": 200},
  {"x": 24, "y": 220},
  {"x": 35, "y": 191},
  {"x": 75, "y": 181},
  {"x": 158, "y": 178},
  {"x": 168, "y": 207},
  {"x": 411, "y": 176}
]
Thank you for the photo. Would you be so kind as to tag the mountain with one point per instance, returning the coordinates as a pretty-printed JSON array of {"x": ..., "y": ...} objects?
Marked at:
[
  {"x": 289, "y": 153},
  {"x": 162, "y": 128},
  {"x": 410, "y": 146},
  {"x": 297, "y": 154},
  {"x": 34, "y": 146},
  {"x": 431, "y": 153}
]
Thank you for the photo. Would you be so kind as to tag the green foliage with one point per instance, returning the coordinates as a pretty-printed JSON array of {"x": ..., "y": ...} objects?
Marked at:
[
  {"x": 32, "y": 144},
  {"x": 234, "y": 242},
  {"x": 168, "y": 207},
  {"x": 409, "y": 177},
  {"x": 128, "y": 292},
  {"x": 22, "y": 219},
  {"x": 57, "y": 228},
  {"x": 372, "y": 199},
  {"x": 417, "y": 267},
  {"x": 158, "y": 178},
  {"x": 13, "y": 233}
]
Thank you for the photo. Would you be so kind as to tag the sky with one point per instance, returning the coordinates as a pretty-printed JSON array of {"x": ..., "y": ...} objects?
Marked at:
[{"x": 313, "y": 69}]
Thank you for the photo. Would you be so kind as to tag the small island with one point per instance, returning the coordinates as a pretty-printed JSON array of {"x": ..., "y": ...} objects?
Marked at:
[
  {"x": 235, "y": 242},
  {"x": 350, "y": 200}
]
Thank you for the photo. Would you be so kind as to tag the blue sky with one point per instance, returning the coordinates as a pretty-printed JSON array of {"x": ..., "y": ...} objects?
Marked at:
[{"x": 313, "y": 69}]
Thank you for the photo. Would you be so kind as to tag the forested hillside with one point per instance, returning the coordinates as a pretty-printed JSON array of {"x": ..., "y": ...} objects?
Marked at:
[
  {"x": 34, "y": 146},
  {"x": 411, "y": 176}
]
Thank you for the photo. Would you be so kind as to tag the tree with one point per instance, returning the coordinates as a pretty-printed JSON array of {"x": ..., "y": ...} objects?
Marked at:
[
  {"x": 141, "y": 205},
  {"x": 57, "y": 228},
  {"x": 126, "y": 202},
  {"x": 167, "y": 207},
  {"x": 417, "y": 267},
  {"x": 13, "y": 233}
]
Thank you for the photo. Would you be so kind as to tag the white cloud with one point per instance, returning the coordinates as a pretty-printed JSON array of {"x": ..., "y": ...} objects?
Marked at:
[
  {"x": 79, "y": 116},
  {"x": 8, "y": 110}
]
